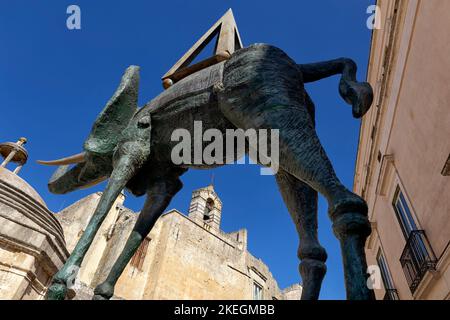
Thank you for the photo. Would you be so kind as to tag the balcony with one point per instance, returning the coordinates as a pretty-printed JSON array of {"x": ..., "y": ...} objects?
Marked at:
[
  {"x": 417, "y": 258},
  {"x": 391, "y": 294}
]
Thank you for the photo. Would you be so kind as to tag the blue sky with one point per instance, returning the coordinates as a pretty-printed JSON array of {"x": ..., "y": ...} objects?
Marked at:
[{"x": 54, "y": 82}]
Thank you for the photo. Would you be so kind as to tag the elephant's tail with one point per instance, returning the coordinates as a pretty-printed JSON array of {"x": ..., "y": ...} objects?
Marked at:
[{"x": 357, "y": 94}]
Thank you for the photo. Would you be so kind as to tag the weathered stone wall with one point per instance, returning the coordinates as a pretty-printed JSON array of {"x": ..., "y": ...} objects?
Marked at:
[
  {"x": 116, "y": 238},
  {"x": 186, "y": 261},
  {"x": 293, "y": 292},
  {"x": 197, "y": 264},
  {"x": 32, "y": 246},
  {"x": 74, "y": 220},
  {"x": 185, "y": 258}
]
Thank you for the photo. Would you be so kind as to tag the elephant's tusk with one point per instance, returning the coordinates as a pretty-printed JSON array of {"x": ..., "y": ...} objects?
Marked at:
[{"x": 76, "y": 158}]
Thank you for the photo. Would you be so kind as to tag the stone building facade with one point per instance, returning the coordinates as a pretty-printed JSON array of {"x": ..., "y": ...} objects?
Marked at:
[
  {"x": 32, "y": 246},
  {"x": 403, "y": 162},
  {"x": 183, "y": 257}
]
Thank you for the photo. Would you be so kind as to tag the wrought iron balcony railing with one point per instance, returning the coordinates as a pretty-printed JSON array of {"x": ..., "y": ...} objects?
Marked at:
[
  {"x": 417, "y": 258},
  {"x": 391, "y": 294}
]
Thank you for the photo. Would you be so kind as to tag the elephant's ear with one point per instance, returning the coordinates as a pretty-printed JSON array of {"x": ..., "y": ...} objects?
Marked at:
[{"x": 116, "y": 115}]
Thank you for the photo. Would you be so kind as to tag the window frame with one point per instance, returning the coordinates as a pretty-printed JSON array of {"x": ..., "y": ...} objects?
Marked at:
[
  {"x": 403, "y": 212},
  {"x": 256, "y": 287},
  {"x": 386, "y": 276}
]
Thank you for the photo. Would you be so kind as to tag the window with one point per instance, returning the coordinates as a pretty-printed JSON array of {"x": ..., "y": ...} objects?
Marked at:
[
  {"x": 403, "y": 213},
  {"x": 417, "y": 256},
  {"x": 391, "y": 293},
  {"x": 257, "y": 291},
  {"x": 209, "y": 207},
  {"x": 137, "y": 261},
  {"x": 385, "y": 275}
]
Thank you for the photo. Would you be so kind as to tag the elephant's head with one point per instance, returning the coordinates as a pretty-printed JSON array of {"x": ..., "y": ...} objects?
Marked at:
[{"x": 119, "y": 139}]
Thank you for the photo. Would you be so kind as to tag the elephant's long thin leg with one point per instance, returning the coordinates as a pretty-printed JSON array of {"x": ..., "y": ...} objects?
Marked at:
[
  {"x": 158, "y": 198},
  {"x": 263, "y": 89},
  {"x": 302, "y": 155},
  {"x": 122, "y": 172},
  {"x": 301, "y": 201}
]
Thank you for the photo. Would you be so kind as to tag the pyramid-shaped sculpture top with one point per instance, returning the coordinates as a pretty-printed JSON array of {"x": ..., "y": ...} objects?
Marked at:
[{"x": 228, "y": 40}]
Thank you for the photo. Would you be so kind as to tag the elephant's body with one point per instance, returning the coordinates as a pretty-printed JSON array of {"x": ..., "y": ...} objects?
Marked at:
[
  {"x": 194, "y": 98},
  {"x": 259, "y": 87},
  {"x": 204, "y": 96}
]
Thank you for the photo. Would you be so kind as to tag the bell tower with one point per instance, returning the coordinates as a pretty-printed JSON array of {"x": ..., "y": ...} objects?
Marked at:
[{"x": 206, "y": 208}]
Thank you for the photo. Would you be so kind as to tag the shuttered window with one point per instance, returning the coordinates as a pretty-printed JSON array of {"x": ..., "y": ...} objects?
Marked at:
[{"x": 137, "y": 261}]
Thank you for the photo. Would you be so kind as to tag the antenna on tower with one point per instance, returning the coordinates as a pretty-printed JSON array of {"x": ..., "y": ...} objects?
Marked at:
[{"x": 212, "y": 180}]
